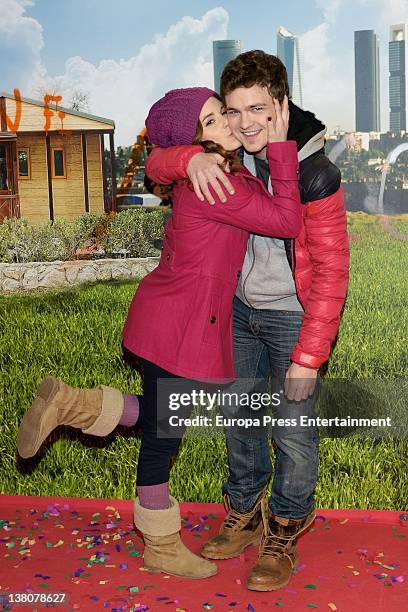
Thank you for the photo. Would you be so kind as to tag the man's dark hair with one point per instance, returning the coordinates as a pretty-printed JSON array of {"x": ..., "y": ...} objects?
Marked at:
[{"x": 255, "y": 68}]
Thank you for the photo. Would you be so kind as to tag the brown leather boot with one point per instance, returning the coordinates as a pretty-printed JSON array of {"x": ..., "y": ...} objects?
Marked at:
[
  {"x": 94, "y": 411},
  {"x": 237, "y": 531},
  {"x": 278, "y": 555}
]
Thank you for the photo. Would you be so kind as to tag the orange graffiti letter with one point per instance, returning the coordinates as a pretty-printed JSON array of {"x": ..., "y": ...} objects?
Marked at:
[
  {"x": 61, "y": 115},
  {"x": 14, "y": 125},
  {"x": 48, "y": 112}
]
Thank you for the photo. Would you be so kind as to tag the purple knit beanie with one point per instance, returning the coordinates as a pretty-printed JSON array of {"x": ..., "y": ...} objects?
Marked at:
[{"x": 173, "y": 119}]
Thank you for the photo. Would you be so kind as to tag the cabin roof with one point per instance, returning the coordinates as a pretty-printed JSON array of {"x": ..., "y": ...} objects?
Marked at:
[{"x": 68, "y": 111}]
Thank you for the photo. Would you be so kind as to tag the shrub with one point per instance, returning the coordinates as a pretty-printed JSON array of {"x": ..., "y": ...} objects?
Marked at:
[
  {"x": 131, "y": 233},
  {"x": 18, "y": 241},
  {"x": 59, "y": 240},
  {"x": 86, "y": 224},
  {"x": 101, "y": 226}
]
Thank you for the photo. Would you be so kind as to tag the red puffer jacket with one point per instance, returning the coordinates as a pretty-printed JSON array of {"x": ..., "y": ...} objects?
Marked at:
[{"x": 320, "y": 254}]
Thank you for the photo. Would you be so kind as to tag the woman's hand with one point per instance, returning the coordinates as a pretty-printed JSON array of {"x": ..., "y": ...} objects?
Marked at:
[
  {"x": 205, "y": 169},
  {"x": 278, "y": 125}
]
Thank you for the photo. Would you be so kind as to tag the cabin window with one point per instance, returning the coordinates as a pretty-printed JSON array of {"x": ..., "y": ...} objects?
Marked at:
[
  {"x": 24, "y": 164},
  {"x": 58, "y": 164}
]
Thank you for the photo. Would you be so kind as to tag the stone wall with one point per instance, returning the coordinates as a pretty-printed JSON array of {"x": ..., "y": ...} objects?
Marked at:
[{"x": 20, "y": 277}]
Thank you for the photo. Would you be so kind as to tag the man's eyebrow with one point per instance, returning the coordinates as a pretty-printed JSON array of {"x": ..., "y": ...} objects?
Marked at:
[{"x": 248, "y": 107}]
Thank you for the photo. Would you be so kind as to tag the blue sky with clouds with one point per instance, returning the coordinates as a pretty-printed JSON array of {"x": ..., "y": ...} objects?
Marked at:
[
  {"x": 126, "y": 53},
  {"x": 138, "y": 22}
]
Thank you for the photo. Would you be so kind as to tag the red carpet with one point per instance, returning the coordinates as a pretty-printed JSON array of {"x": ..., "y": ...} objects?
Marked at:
[{"x": 350, "y": 561}]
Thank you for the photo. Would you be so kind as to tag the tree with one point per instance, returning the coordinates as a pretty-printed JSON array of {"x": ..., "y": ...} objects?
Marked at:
[{"x": 80, "y": 101}]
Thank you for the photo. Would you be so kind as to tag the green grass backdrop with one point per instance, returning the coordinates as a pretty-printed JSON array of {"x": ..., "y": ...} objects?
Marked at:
[{"x": 75, "y": 335}]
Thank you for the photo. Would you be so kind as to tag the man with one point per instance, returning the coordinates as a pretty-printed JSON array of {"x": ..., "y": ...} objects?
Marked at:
[{"x": 286, "y": 316}]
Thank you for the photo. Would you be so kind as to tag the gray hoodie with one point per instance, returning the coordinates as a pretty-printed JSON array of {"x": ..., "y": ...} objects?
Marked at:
[{"x": 266, "y": 280}]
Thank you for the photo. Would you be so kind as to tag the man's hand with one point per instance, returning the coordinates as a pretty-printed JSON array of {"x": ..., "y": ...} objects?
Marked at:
[
  {"x": 204, "y": 168},
  {"x": 300, "y": 382}
]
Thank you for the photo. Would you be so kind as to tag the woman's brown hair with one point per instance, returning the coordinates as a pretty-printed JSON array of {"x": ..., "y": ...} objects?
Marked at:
[{"x": 210, "y": 146}]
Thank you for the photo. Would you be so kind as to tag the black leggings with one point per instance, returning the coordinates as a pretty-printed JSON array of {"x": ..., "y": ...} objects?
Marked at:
[{"x": 156, "y": 453}]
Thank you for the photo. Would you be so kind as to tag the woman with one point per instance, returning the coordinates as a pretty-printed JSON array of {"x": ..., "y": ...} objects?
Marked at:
[{"x": 179, "y": 321}]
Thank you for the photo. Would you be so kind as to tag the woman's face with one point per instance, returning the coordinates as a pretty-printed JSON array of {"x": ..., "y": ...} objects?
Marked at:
[{"x": 215, "y": 125}]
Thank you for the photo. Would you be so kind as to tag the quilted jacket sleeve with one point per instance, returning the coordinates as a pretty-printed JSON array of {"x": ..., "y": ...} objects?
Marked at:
[
  {"x": 164, "y": 166},
  {"x": 328, "y": 246}
]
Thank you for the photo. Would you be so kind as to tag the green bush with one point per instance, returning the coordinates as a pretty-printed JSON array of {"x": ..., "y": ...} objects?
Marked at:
[
  {"x": 51, "y": 241},
  {"x": 61, "y": 239},
  {"x": 18, "y": 241},
  {"x": 131, "y": 233},
  {"x": 58, "y": 240},
  {"x": 85, "y": 224}
]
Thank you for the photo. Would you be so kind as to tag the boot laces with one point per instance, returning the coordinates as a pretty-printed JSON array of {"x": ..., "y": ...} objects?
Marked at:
[
  {"x": 275, "y": 545},
  {"x": 235, "y": 518}
]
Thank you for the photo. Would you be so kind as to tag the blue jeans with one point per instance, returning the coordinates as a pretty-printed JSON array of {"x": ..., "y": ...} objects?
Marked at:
[{"x": 263, "y": 342}]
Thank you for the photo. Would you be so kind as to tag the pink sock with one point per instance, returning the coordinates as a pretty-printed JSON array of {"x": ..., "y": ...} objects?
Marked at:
[
  {"x": 154, "y": 497},
  {"x": 130, "y": 412}
]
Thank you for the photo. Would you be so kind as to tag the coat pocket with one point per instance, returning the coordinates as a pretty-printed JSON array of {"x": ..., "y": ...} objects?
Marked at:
[
  {"x": 212, "y": 323},
  {"x": 167, "y": 257}
]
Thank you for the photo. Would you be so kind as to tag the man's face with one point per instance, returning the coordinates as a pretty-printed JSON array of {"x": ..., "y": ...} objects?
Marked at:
[{"x": 248, "y": 109}]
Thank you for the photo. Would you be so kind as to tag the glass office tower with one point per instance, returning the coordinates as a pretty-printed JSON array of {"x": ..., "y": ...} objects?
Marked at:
[
  {"x": 223, "y": 52},
  {"x": 367, "y": 81},
  {"x": 287, "y": 46},
  {"x": 398, "y": 65}
]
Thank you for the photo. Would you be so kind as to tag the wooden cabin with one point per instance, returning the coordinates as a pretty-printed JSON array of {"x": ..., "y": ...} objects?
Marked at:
[{"x": 52, "y": 160}]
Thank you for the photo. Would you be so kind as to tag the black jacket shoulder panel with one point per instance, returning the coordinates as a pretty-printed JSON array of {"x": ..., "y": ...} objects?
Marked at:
[{"x": 319, "y": 177}]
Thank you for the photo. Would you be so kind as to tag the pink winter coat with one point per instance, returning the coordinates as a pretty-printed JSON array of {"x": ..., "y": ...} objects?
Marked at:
[{"x": 181, "y": 315}]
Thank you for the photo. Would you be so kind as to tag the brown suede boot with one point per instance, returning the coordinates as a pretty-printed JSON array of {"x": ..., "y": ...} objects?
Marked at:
[
  {"x": 278, "y": 555},
  {"x": 164, "y": 551},
  {"x": 237, "y": 531},
  {"x": 94, "y": 411}
]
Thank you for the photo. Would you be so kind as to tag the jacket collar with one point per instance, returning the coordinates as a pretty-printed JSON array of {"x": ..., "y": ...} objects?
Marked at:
[{"x": 304, "y": 127}]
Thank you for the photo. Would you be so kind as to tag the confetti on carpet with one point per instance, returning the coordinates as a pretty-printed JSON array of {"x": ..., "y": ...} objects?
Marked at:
[{"x": 89, "y": 550}]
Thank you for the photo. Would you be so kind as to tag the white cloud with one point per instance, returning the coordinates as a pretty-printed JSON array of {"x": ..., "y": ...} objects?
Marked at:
[
  {"x": 390, "y": 11},
  {"x": 124, "y": 90},
  {"x": 21, "y": 42},
  {"x": 327, "y": 87},
  {"x": 326, "y": 90},
  {"x": 330, "y": 9}
]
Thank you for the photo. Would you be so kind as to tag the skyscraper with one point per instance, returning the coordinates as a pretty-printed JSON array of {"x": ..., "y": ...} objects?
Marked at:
[
  {"x": 223, "y": 52},
  {"x": 367, "y": 81},
  {"x": 288, "y": 52},
  {"x": 398, "y": 66}
]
